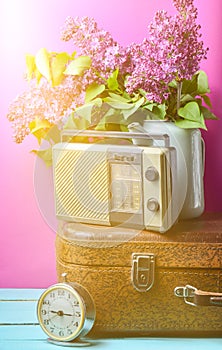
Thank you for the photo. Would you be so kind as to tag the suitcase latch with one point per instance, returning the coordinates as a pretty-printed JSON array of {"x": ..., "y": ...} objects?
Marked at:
[{"x": 142, "y": 276}]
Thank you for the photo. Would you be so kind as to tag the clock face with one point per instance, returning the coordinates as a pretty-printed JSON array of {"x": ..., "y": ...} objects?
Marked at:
[{"x": 61, "y": 312}]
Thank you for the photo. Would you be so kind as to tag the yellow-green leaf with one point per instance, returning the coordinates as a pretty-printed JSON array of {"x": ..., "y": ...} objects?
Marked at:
[
  {"x": 42, "y": 61},
  {"x": 45, "y": 155},
  {"x": 38, "y": 75},
  {"x": 207, "y": 114},
  {"x": 202, "y": 83},
  {"x": 190, "y": 111},
  {"x": 30, "y": 65},
  {"x": 85, "y": 111},
  {"x": 39, "y": 128},
  {"x": 112, "y": 81},
  {"x": 189, "y": 124},
  {"x": 119, "y": 97},
  {"x": 54, "y": 134},
  {"x": 58, "y": 66},
  {"x": 78, "y": 65},
  {"x": 207, "y": 100},
  {"x": 70, "y": 123},
  {"x": 93, "y": 90},
  {"x": 135, "y": 106},
  {"x": 117, "y": 104}
]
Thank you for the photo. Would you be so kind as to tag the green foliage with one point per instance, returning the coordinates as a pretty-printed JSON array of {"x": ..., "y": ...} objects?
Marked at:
[
  {"x": 194, "y": 103},
  {"x": 112, "y": 81},
  {"x": 202, "y": 83},
  {"x": 51, "y": 65},
  {"x": 43, "y": 130},
  {"x": 117, "y": 108},
  {"x": 40, "y": 128},
  {"x": 78, "y": 66},
  {"x": 93, "y": 91},
  {"x": 107, "y": 106},
  {"x": 191, "y": 116},
  {"x": 45, "y": 155},
  {"x": 42, "y": 61}
]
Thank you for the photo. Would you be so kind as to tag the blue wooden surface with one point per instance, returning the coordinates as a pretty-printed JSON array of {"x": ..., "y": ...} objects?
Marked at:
[{"x": 19, "y": 329}]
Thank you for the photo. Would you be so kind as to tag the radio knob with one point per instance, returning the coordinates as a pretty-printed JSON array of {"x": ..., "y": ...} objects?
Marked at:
[
  {"x": 152, "y": 204},
  {"x": 151, "y": 174}
]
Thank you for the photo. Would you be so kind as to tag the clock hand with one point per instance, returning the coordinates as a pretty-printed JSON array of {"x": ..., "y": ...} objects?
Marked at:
[{"x": 60, "y": 313}]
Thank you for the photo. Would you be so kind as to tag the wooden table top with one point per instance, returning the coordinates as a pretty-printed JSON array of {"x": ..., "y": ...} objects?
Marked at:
[{"x": 19, "y": 329}]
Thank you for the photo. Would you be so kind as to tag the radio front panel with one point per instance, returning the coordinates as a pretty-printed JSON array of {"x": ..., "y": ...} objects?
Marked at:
[{"x": 113, "y": 185}]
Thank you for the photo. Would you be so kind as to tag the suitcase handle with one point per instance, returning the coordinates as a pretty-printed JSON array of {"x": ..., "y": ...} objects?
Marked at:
[{"x": 198, "y": 297}]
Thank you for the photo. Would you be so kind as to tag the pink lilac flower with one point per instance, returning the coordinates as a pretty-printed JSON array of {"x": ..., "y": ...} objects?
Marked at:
[
  {"x": 105, "y": 52},
  {"x": 173, "y": 51},
  {"x": 46, "y": 103}
]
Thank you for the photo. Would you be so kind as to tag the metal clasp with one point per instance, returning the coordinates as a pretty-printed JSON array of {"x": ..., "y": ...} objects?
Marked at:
[
  {"x": 186, "y": 292},
  {"x": 142, "y": 276}
]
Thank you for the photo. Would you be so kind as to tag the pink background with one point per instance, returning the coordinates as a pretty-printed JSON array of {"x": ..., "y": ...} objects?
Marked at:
[{"x": 27, "y": 257}]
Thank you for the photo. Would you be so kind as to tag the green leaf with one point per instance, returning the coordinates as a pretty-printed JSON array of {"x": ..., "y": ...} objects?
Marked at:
[
  {"x": 135, "y": 107},
  {"x": 173, "y": 84},
  {"x": 45, "y": 155},
  {"x": 186, "y": 98},
  {"x": 190, "y": 111},
  {"x": 42, "y": 63},
  {"x": 40, "y": 128},
  {"x": 78, "y": 65},
  {"x": 30, "y": 64},
  {"x": 123, "y": 127},
  {"x": 189, "y": 124},
  {"x": 126, "y": 95},
  {"x": 38, "y": 75},
  {"x": 101, "y": 126},
  {"x": 85, "y": 111},
  {"x": 160, "y": 111},
  {"x": 58, "y": 66},
  {"x": 70, "y": 123},
  {"x": 81, "y": 123},
  {"x": 202, "y": 83},
  {"x": 93, "y": 91},
  {"x": 144, "y": 94},
  {"x": 72, "y": 56},
  {"x": 119, "y": 97},
  {"x": 117, "y": 104},
  {"x": 149, "y": 106},
  {"x": 54, "y": 134},
  {"x": 157, "y": 111},
  {"x": 112, "y": 81},
  {"x": 110, "y": 120},
  {"x": 207, "y": 114},
  {"x": 102, "y": 123},
  {"x": 207, "y": 100},
  {"x": 190, "y": 86}
]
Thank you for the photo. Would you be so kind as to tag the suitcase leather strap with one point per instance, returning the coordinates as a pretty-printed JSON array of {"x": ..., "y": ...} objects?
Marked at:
[{"x": 196, "y": 297}]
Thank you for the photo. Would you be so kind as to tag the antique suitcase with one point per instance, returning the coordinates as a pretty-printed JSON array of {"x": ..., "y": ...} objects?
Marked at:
[{"x": 148, "y": 284}]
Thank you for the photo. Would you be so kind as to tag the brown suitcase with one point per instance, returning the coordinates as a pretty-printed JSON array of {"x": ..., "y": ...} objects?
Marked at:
[{"x": 134, "y": 284}]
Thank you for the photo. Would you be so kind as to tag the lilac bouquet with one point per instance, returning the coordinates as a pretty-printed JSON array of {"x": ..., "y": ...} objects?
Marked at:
[{"x": 106, "y": 86}]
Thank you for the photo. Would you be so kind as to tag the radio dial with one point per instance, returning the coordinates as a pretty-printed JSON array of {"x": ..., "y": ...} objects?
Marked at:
[
  {"x": 151, "y": 174},
  {"x": 152, "y": 204}
]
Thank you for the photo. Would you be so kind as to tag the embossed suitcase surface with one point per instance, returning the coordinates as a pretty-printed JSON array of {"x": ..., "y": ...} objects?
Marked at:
[{"x": 132, "y": 283}]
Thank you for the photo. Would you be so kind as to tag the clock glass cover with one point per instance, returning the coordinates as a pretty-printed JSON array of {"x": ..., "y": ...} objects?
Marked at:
[{"x": 61, "y": 312}]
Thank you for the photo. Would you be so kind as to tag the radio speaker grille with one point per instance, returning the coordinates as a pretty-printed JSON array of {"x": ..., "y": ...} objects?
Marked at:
[{"x": 82, "y": 186}]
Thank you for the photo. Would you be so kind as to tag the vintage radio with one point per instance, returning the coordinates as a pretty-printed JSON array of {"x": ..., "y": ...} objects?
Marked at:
[{"x": 116, "y": 184}]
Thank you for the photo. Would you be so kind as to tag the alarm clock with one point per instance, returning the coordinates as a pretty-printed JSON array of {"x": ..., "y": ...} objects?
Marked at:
[{"x": 66, "y": 312}]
